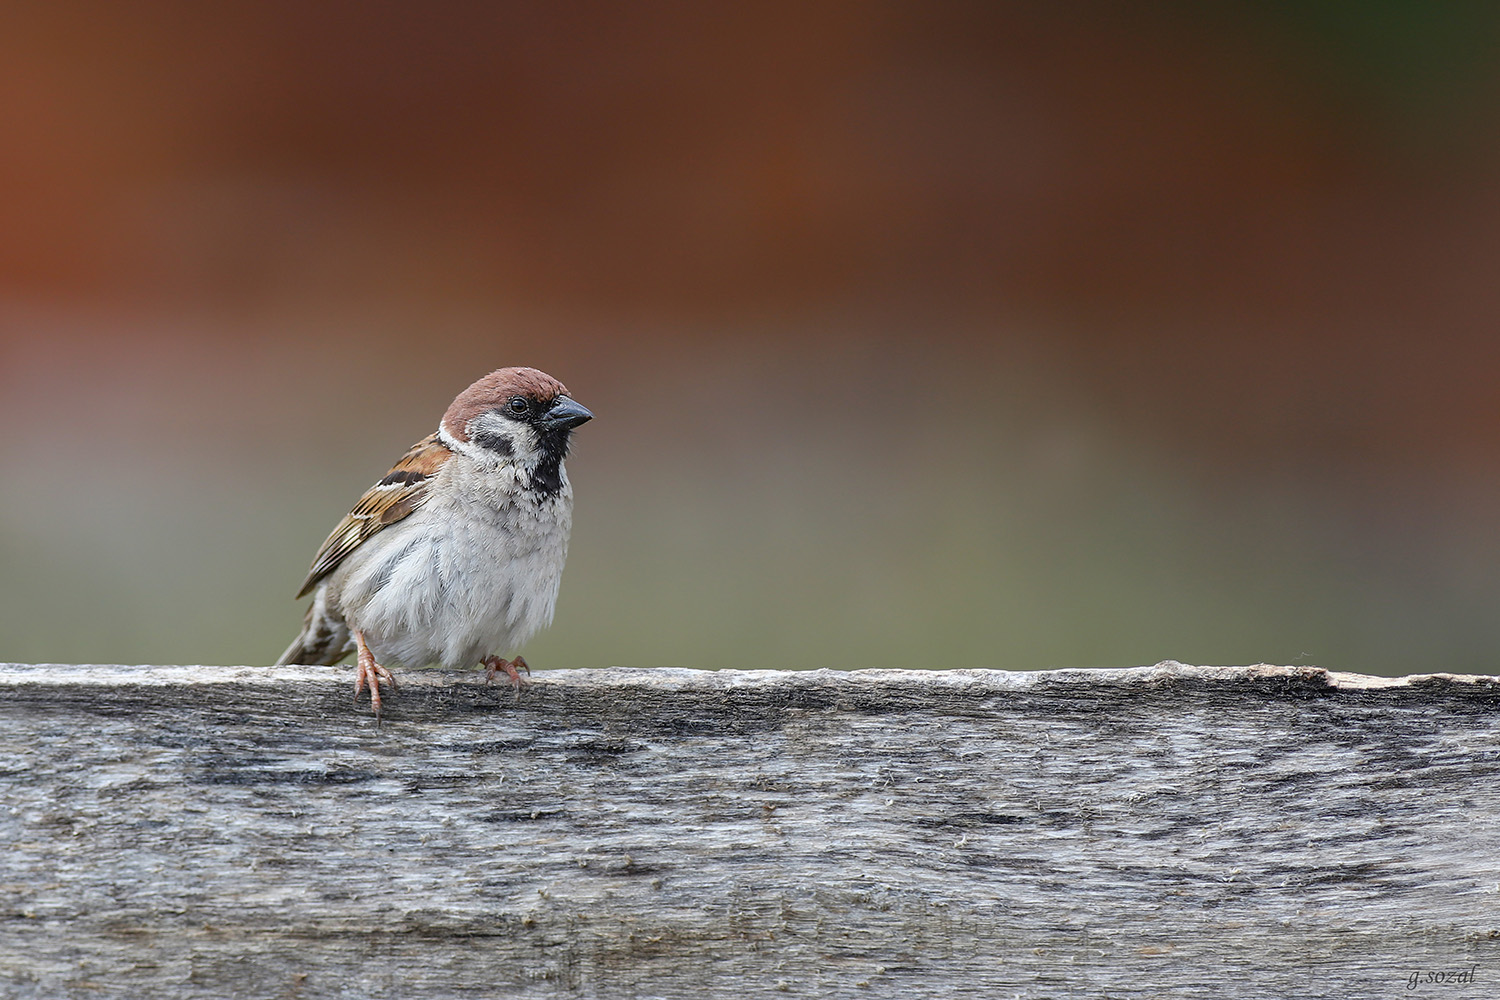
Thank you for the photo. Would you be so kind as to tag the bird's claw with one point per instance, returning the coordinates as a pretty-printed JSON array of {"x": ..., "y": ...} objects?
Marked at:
[
  {"x": 511, "y": 669},
  {"x": 368, "y": 673}
]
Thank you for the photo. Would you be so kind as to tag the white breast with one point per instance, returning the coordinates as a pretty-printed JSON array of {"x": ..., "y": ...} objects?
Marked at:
[{"x": 471, "y": 573}]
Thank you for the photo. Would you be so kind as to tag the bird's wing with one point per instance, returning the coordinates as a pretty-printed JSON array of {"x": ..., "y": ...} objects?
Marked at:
[{"x": 402, "y": 491}]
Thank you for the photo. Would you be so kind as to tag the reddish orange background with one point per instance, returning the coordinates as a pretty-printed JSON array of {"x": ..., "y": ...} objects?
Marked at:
[{"x": 919, "y": 334}]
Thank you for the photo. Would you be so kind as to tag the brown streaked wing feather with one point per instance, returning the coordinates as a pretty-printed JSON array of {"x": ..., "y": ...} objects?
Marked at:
[{"x": 400, "y": 492}]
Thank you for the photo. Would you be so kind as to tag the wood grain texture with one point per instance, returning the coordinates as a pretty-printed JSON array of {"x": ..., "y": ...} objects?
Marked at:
[{"x": 1162, "y": 831}]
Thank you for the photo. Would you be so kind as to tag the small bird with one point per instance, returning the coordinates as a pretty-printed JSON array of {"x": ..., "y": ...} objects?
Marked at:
[{"x": 455, "y": 556}]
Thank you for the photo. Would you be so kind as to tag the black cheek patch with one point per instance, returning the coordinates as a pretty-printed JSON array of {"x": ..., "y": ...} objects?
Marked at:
[{"x": 500, "y": 444}]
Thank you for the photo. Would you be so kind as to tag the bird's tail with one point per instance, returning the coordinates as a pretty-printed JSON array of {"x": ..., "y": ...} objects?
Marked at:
[{"x": 324, "y": 639}]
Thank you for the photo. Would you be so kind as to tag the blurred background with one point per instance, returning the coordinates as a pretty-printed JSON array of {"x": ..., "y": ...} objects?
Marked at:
[{"x": 919, "y": 333}]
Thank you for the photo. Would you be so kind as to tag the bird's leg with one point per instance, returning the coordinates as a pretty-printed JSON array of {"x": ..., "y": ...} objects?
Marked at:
[
  {"x": 367, "y": 671},
  {"x": 511, "y": 669}
]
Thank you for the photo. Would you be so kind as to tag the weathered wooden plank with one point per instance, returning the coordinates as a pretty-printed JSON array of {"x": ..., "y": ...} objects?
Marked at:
[{"x": 1162, "y": 831}]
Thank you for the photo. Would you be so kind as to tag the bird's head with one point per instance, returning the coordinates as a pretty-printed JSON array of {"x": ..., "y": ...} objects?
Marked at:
[{"x": 518, "y": 415}]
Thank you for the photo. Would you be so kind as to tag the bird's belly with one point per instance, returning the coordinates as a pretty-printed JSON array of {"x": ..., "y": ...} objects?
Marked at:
[{"x": 450, "y": 591}]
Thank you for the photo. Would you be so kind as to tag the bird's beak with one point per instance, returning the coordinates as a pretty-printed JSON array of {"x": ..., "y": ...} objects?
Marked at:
[{"x": 565, "y": 415}]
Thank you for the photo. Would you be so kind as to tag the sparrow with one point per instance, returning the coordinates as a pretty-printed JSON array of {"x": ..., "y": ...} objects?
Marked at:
[{"x": 455, "y": 555}]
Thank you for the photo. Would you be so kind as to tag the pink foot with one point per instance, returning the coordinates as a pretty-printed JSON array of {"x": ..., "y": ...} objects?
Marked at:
[
  {"x": 369, "y": 673},
  {"x": 511, "y": 669}
]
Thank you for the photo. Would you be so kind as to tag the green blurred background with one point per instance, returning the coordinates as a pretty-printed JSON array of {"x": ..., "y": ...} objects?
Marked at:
[{"x": 919, "y": 334}]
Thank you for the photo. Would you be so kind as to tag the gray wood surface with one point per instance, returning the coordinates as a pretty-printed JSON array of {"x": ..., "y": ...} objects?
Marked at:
[{"x": 1163, "y": 831}]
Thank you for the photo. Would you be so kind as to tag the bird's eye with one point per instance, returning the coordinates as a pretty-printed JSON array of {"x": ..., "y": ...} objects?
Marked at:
[{"x": 518, "y": 405}]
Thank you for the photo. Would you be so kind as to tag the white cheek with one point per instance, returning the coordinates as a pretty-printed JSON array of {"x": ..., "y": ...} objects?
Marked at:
[
  {"x": 521, "y": 437},
  {"x": 525, "y": 442}
]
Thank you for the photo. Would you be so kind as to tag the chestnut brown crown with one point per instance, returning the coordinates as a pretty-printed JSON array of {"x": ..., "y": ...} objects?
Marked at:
[{"x": 495, "y": 390}]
